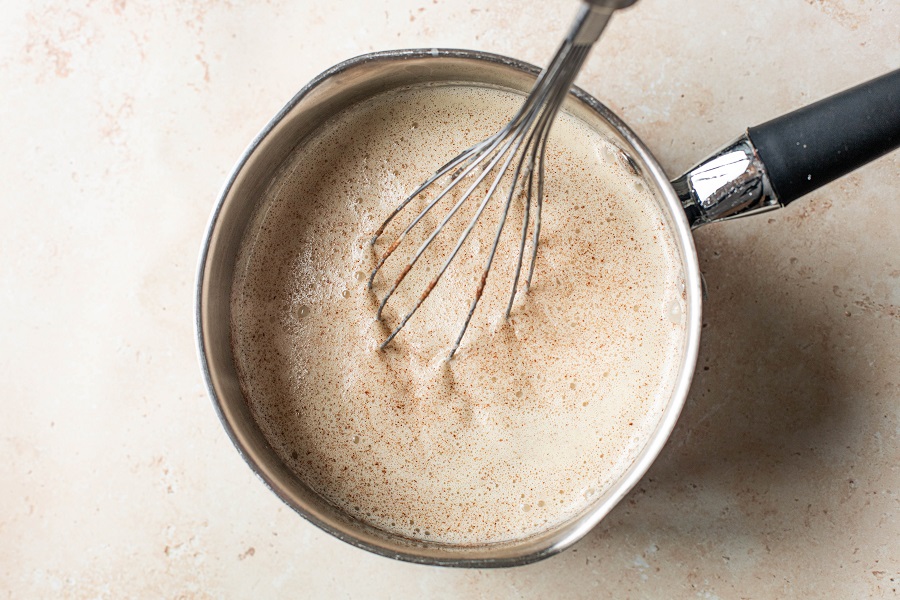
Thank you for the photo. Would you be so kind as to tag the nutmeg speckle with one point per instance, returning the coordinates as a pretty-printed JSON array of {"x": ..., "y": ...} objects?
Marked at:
[{"x": 497, "y": 443}]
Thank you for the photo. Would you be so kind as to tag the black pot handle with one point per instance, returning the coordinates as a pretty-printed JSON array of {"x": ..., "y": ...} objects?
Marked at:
[
  {"x": 809, "y": 147},
  {"x": 775, "y": 163}
]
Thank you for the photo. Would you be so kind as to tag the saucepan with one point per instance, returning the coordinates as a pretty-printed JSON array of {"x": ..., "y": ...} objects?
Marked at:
[{"x": 765, "y": 168}]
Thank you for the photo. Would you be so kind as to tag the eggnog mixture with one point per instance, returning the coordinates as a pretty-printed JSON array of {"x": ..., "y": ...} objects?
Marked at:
[{"x": 534, "y": 417}]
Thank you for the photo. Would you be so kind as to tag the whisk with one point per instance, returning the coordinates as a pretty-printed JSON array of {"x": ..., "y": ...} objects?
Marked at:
[{"x": 525, "y": 136}]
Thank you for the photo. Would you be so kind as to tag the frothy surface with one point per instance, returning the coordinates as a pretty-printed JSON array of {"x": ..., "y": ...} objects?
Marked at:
[{"x": 536, "y": 416}]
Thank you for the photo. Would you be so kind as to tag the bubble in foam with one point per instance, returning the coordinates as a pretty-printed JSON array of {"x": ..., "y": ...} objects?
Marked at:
[
  {"x": 607, "y": 152},
  {"x": 674, "y": 311}
]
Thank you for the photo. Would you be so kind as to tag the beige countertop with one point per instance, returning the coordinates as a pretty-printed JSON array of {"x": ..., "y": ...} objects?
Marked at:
[{"x": 120, "y": 120}]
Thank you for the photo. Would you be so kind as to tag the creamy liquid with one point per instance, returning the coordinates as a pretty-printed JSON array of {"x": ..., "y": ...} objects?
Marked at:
[{"x": 535, "y": 417}]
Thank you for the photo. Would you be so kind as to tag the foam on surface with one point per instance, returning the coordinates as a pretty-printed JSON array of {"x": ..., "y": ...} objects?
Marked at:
[{"x": 534, "y": 417}]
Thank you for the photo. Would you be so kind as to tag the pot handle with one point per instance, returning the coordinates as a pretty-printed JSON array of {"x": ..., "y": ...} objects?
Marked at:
[
  {"x": 777, "y": 162},
  {"x": 817, "y": 144}
]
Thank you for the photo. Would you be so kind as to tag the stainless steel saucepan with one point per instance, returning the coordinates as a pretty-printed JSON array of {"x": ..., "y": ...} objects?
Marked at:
[{"x": 767, "y": 167}]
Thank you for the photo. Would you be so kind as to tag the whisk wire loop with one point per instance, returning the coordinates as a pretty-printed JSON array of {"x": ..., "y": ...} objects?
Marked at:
[{"x": 524, "y": 136}]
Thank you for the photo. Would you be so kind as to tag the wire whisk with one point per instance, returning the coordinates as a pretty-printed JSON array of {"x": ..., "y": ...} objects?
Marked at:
[{"x": 524, "y": 136}]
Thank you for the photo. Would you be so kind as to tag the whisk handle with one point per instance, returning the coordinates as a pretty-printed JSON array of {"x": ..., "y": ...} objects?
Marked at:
[
  {"x": 592, "y": 19},
  {"x": 611, "y": 4}
]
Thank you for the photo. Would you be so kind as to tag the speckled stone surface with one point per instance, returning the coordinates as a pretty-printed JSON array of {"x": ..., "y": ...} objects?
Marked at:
[{"x": 120, "y": 121}]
